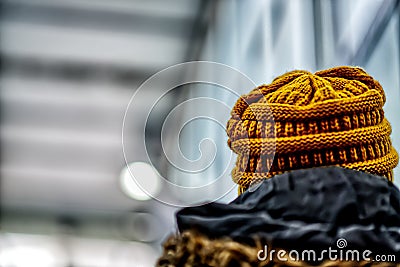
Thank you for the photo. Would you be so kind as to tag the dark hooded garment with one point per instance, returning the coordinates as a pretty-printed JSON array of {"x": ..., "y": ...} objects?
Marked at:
[{"x": 308, "y": 209}]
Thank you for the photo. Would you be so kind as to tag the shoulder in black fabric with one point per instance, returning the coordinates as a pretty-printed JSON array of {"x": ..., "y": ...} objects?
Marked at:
[{"x": 305, "y": 209}]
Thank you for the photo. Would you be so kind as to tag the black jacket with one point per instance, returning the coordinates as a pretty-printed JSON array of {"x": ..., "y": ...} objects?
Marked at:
[{"x": 308, "y": 209}]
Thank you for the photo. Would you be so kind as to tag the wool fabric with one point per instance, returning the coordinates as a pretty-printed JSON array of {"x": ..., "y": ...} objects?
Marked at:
[{"x": 304, "y": 120}]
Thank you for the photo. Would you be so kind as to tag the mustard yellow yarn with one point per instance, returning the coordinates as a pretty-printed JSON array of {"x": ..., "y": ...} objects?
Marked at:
[{"x": 304, "y": 120}]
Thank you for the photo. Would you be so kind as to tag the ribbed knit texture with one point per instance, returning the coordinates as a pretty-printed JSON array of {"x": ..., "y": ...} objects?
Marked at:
[{"x": 304, "y": 120}]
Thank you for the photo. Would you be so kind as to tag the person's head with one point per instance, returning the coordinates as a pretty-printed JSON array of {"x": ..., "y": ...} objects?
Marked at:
[
  {"x": 291, "y": 131},
  {"x": 305, "y": 120}
]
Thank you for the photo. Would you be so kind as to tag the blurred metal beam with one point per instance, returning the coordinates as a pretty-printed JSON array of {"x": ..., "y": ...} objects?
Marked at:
[
  {"x": 182, "y": 8},
  {"x": 204, "y": 18},
  {"x": 318, "y": 39},
  {"x": 398, "y": 34},
  {"x": 68, "y": 15},
  {"x": 51, "y": 43},
  {"x": 33, "y": 68},
  {"x": 114, "y": 225},
  {"x": 386, "y": 11}
]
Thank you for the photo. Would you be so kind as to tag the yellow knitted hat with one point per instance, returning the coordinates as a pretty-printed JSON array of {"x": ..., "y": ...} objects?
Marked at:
[{"x": 304, "y": 120}]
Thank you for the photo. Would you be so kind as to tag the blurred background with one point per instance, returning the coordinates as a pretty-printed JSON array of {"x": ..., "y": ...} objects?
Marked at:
[{"x": 69, "y": 70}]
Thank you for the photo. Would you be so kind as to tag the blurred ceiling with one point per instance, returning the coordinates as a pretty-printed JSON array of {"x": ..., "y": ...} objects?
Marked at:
[{"x": 69, "y": 70}]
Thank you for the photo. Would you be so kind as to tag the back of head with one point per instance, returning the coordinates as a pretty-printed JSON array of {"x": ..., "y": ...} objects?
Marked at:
[
  {"x": 304, "y": 120},
  {"x": 290, "y": 131}
]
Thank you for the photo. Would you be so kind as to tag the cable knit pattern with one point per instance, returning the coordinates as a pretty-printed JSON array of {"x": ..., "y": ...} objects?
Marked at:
[{"x": 304, "y": 120}]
